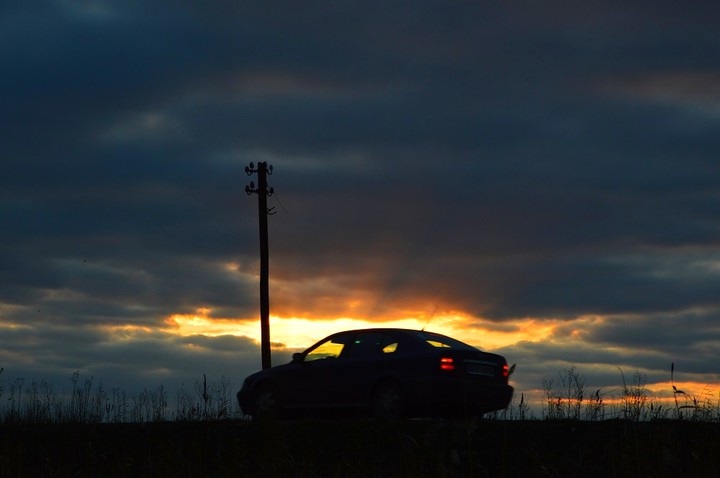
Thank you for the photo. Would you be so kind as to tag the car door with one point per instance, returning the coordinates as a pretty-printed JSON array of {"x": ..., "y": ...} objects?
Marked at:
[
  {"x": 369, "y": 355},
  {"x": 313, "y": 383}
]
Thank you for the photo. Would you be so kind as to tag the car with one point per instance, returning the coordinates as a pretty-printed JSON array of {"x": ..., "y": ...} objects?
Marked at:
[{"x": 381, "y": 372}]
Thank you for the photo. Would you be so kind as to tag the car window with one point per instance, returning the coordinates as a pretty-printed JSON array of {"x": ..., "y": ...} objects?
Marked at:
[
  {"x": 329, "y": 349},
  {"x": 390, "y": 348},
  {"x": 373, "y": 344},
  {"x": 437, "y": 343},
  {"x": 441, "y": 341}
]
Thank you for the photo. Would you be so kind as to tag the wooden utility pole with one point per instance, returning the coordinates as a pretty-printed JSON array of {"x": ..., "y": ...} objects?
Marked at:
[{"x": 263, "y": 193}]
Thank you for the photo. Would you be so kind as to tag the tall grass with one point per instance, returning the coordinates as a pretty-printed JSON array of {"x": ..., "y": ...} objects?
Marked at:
[
  {"x": 565, "y": 397},
  {"x": 89, "y": 402}
]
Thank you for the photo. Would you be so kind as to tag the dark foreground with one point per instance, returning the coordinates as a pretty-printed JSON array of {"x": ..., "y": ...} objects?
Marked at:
[{"x": 352, "y": 448}]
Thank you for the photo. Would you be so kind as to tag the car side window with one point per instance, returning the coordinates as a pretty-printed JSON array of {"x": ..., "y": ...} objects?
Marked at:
[
  {"x": 373, "y": 344},
  {"x": 329, "y": 349},
  {"x": 441, "y": 341},
  {"x": 439, "y": 344}
]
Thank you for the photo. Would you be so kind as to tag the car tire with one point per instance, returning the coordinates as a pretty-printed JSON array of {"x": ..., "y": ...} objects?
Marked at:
[
  {"x": 388, "y": 400},
  {"x": 267, "y": 402}
]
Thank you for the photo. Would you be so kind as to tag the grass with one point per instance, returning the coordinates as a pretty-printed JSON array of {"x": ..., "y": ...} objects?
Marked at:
[
  {"x": 89, "y": 402},
  {"x": 565, "y": 397},
  {"x": 202, "y": 433}
]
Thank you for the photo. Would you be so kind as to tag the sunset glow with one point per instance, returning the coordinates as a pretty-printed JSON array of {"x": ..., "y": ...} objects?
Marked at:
[
  {"x": 299, "y": 333},
  {"x": 688, "y": 392}
]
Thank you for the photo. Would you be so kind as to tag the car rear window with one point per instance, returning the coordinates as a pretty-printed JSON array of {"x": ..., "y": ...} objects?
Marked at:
[{"x": 441, "y": 341}]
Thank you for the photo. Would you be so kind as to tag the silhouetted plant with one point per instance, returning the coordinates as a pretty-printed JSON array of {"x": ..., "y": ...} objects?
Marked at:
[
  {"x": 634, "y": 398},
  {"x": 595, "y": 407},
  {"x": 564, "y": 401},
  {"x": 552, "y": 402},
  {"x": 514, "y": 411},
  {"x": 212, "y": 401},
  {"x": 688, "y": 402}
]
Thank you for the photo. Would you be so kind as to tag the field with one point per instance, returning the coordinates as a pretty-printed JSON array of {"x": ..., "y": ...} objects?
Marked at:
[
  {"x": 363, "y": 448},
  {"x": 92, "y": 432}
]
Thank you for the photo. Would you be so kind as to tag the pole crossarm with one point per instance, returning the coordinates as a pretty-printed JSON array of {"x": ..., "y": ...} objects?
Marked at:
[
  {"x": 263, "y": 192},
  {"x": 251, "y": 189}
]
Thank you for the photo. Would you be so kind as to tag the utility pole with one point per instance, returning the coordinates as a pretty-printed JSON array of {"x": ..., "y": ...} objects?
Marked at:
[{"x": 263, "y": 193}]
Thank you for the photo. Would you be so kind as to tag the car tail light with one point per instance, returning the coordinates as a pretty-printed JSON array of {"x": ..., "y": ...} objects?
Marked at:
[
  {"x": 447, "y": 363},
  {"x": 506, "y": 371}
]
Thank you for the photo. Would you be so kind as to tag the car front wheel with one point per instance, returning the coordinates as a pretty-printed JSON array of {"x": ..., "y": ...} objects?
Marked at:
[{"x": 267, "y": 403}]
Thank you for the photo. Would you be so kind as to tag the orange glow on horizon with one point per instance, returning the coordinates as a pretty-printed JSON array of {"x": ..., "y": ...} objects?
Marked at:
[
  {"x": 688, "y": 391},
  {"x": 299, "y": 333}
]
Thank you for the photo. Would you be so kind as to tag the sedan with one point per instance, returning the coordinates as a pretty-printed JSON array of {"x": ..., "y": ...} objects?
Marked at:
[{"x": 384, "y": 372}]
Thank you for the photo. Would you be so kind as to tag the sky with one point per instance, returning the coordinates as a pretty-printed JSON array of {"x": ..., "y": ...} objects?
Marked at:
[{"x": 537, "y": 179}]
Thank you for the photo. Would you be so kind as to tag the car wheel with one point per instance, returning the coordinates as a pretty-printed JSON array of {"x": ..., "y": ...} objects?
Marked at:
[
  {"x": 388, "y": 400},
  {"x": 266, "y": 402}
]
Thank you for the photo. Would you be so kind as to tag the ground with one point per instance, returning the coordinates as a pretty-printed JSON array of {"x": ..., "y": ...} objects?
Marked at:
[{"x": 362, "y": 448}]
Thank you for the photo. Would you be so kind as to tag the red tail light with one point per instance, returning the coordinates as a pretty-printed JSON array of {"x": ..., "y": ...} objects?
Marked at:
[
  {"x": 506, "y": 371},
  {"x": 447, "y": 363}
]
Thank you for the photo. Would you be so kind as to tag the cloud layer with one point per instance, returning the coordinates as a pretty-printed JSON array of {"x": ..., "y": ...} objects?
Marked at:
[{"x": 502, "y": 161}]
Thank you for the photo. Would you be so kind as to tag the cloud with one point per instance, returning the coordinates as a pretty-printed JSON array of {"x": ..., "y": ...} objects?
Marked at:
[{"x": 504, "y": 162}]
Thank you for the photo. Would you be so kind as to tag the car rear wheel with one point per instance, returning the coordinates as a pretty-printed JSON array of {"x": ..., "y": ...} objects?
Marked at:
[
  {"x": 388, "y": 400},
  {"x": 267, "y": 403}
]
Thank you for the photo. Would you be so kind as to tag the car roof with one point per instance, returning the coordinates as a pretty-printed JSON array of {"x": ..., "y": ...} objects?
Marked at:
[
  {"x": 378, "y": 329},
  {"x": 411, "y": 332}
]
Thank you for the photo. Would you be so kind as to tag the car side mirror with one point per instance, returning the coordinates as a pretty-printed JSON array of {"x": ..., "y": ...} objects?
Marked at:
[{"x": 297, "y": 357}]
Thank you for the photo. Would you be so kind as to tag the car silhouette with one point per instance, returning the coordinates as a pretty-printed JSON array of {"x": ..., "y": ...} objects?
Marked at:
[{"x": 384, "y": 372}]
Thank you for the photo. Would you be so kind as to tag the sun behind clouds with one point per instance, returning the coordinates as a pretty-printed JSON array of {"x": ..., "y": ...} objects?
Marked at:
[{"x": 300, "y": 333}]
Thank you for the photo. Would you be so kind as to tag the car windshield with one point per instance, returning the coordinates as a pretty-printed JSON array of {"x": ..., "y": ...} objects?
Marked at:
[
  {"x": 441, "y": 341},
  {"x": 328, "y": 349}
]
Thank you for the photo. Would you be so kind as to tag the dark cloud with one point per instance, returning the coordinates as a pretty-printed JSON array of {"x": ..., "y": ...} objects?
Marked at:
[{"x": 507, "y": 161}]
